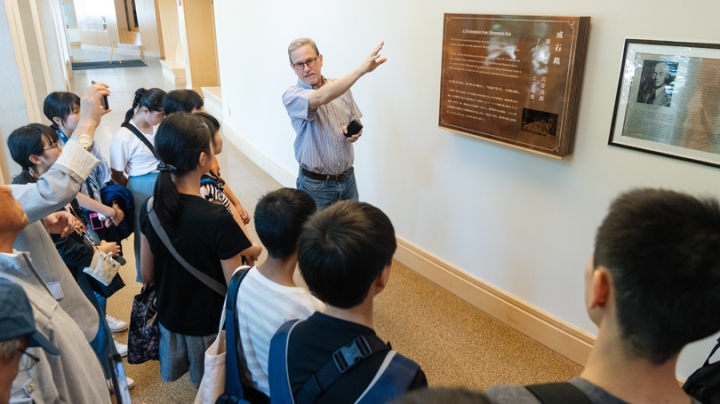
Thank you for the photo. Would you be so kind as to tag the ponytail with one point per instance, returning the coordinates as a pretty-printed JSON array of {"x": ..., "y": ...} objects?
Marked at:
[
  {"x": 25, "y": 177},
  {"x": 151, "y": 99},
  {"x": 179, "y": 141}
]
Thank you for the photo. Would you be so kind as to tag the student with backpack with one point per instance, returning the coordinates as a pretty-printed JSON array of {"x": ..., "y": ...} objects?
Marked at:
[
  {"x": 345, "y": 253},
  {"x": 651, "y": 288},
  {"x": 268, "y": 296},
  {"x": 190, "y": 248},
  {"x": 132, "y": 152}
]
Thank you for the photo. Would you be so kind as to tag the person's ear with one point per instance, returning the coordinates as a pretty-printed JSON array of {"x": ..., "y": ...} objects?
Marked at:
[
  {"x": 35, "y": 159},
  {"x": 204, "y": 160},
  {"x": 57, "y": 121},
  {"x": 601, "y": 285},
  {"x": 382, "y": 280}
]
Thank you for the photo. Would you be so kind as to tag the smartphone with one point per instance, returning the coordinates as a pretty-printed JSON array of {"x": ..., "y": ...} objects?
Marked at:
[
  {"x": 122, "y": 392},
  {"x": 104, "y": 102},
  {"x": 95, "y": 222},
  {"x": 353, "y": 128}
]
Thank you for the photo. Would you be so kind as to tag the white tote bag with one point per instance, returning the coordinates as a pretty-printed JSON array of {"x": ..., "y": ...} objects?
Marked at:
[{"x": 212, "y": 385}]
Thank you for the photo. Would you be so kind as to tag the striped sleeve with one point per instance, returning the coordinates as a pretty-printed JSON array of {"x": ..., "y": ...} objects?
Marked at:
[{"x": 296, "y": 100}]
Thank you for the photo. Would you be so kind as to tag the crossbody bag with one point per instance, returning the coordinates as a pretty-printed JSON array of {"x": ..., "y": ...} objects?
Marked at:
[{"x": 201, "y": 276}]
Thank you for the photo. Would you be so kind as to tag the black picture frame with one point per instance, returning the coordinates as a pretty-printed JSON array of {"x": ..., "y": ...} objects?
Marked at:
[{"x": 668, "y": 100}]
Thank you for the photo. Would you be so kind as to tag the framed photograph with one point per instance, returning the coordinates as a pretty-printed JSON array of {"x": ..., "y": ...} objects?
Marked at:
[
  {"x": 514, "y": 80},
  {"x": 668, "y": 100}
]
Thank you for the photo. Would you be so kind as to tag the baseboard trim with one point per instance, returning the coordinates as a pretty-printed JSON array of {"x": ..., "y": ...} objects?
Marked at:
[
  {"x": 550, "y": 331},
  {"x": 270, "y": 166}
]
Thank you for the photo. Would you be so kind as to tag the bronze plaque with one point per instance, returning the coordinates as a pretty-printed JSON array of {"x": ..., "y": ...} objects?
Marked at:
[{"x": 513, "y": 79}]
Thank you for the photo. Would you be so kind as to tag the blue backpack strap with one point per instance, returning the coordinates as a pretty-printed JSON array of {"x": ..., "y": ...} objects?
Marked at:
[
  {"x": 280, "y": 389},
  {"x": 233, "y": 345},
  {"x": 391, "y": 381}
]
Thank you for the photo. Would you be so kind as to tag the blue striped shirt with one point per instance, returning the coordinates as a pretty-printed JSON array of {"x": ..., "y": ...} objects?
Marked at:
[{"x": 320, "y": 144}]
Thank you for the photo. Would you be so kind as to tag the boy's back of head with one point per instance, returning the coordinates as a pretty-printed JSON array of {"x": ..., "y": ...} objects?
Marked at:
[
  {"x": 279, "y": 219},
  {"x": 662, "y": 249},
  {"x": 343, "y": 249}
]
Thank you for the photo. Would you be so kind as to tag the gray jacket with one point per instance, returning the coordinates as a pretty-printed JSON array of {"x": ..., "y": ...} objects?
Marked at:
[
  {"x": 55, "y": 189},
  {"x": 74, "y": 376}
]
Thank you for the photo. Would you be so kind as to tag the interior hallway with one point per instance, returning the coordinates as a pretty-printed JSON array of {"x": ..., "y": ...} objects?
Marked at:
[{"x": 455, "y": 343}]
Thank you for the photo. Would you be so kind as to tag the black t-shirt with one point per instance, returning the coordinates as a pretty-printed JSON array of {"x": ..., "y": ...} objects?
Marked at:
[
  {"x": 311, "y": 346},
  {"x": 205, "y": 234}
]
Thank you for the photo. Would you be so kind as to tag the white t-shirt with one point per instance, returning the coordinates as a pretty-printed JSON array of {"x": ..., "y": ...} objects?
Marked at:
[
  {"x": 129, "y": 154},
  {"x": 262, "y": 307}
]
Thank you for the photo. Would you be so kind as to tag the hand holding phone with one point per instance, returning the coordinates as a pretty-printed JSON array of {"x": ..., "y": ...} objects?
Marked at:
[
  {"x": 353, "y": 128},
  {"x": 104, "y": 102}
]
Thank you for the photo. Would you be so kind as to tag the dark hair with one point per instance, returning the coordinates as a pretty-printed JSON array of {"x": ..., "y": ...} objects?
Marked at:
[
  {"x": 27, "y": 141},
  {"x": 60, "y": 104},
  {"x": 279, "y": 219},
  {"x": 442, "y": 395},
  {"x": 179, "y": 141},
  {"x": 151, "y": 99},
  {"x": 662, "y": 249},
  {"x": 212, "y": 122},
  {"x": 343, "y": 249},
  {"x": 182, "y": 101}
]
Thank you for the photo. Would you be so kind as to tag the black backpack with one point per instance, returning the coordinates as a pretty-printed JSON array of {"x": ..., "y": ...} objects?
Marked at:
[{"x": 704, "y": 383}]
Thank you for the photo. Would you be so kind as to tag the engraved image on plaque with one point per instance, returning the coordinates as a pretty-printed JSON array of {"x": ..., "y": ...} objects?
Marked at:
[{"x": 513, "y": 79}]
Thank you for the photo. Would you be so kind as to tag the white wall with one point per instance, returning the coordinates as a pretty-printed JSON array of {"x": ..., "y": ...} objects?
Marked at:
[
  {"x": 13, "y": 109},
  {"x": 522, "y": 222}
]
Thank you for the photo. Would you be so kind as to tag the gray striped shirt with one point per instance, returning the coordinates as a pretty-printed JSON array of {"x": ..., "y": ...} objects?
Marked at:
[{"x": 320, "y": 144}]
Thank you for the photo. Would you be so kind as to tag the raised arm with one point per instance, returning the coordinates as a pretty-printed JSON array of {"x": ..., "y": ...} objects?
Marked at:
[
  {"x": 61, "y": 183},
  {"x": 336, "y": 88}
]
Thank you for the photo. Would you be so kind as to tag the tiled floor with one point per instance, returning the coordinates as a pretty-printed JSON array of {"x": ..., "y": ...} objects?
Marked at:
[{"x": 455, "y": 343}]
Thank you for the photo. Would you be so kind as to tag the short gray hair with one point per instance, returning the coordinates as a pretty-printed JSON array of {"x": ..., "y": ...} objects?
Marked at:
[
  {"x": 8, "y": 349},
  {"x": 300, "y": 42}
]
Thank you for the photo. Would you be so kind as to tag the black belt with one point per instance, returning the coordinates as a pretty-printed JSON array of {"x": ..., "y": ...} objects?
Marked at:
[{"x": 329, "y": 177}]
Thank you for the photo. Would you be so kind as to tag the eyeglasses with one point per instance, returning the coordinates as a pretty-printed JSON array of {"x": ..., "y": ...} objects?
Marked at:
[
  {"x": 55, "y": 145},
  {"x": 29, "y": 360},
  {"x": 308, "y": 63}
]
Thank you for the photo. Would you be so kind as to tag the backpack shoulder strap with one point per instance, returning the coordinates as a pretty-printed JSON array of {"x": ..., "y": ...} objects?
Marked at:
[
  {"x": 142, "y": 138},
  {"x": 342, "y": 360},
  {"x": 201, "y": 276},
  {"x": 391, "y": 381},
  {"x": 280, "y": 389},
  {"x": 558, "y": 393},
  {"x": 233, "y": 345}
]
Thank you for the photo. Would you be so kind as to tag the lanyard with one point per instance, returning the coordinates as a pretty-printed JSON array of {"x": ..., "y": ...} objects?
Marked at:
[{"x": 62, "y": 136}]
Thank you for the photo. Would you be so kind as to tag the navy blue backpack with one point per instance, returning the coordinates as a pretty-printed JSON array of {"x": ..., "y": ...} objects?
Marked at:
[{"x": 390, "y": 382}]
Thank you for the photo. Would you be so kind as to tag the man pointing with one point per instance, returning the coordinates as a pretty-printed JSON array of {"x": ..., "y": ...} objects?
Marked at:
[{"x": 320, "y": 110}]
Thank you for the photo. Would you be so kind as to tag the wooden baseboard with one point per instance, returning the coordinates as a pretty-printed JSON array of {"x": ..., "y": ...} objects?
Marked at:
[
  {"x": 552, "y": 332},
  {"x": 270, "y": 166}
]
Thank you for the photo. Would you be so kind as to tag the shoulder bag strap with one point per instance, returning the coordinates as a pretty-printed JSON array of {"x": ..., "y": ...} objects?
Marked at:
[
  {"x": 342, "y": 360},
  {"x": 201, "y": 276},
  {"x": 707, "y": 361},
  {"x": 557, "y": 393},
  {"x": 391, "y": 381},
  {"x": 142, "y": 138},
  {"x": 233, "y": 345}
]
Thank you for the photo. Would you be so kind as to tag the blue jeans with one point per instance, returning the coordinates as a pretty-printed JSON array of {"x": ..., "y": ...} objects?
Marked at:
[
  {"x": 141, "y": 187},
  {"x": 325, "y": 193}
]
